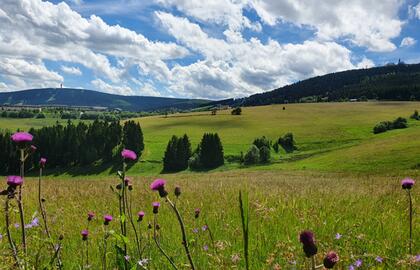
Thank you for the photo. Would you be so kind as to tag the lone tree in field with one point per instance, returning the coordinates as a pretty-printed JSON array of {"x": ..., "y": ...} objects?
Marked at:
[
  {"x": 133, "y": 137},
  {"x": 210, "y": 151},
  {"x": 177, "y": 154},
  {"x": 237, "y": 111}
]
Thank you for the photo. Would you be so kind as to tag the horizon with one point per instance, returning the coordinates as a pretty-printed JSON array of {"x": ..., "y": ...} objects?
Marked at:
[{"x": 182, "y": 49}]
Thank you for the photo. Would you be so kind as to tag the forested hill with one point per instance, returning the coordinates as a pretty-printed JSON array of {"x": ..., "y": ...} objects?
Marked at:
[
  {"x": 391, "y": 82},
  {"x": 81, "y": 97}
]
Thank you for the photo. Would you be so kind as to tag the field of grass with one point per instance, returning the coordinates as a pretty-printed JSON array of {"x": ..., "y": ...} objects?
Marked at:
[{"x": 343, "y": 179}]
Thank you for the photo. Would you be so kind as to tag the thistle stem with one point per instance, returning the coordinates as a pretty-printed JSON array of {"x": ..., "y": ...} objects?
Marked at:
[
  {"x": 313, "y": 263},
  {"x": 158, "y": 244},
  {"x": 9, "y": 236},
  {"x": 130, "y": 215},
  {"x": 20, "y": 203},
  {"x": 123, "y": 212},
  {"x": 184, "y": 235},
  {"x": 411, "y": 221}
]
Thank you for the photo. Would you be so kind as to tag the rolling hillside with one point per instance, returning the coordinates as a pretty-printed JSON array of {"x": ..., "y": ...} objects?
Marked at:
[
  {"x": 391, "y": 82},
  {"x": 81, "y": 97}
]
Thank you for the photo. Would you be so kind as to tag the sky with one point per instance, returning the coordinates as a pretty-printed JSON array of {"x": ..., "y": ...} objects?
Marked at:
[{"x": 211, "y": 49}]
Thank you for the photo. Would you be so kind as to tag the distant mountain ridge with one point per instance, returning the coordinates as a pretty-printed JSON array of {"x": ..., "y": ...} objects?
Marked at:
[
  {"x": 391, "y": 82},
  {"x": 90, "y": 98}
]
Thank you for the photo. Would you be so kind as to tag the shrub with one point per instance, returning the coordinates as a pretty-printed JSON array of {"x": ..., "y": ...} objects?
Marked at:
[
  {"x": 265, "y": 154},
  {"x": 415, "y": 115},
  {"x": 276, "y": 147},
  {"x": 400, "y": 122},
  {"x": 194, "y": 162},
  {"x": 382, "y": 127},
  {"x": 287, "y": 142},
  {"x": 261, "y": 142},
  {"x": 40, "y": 116},
  {"x": 252, "y": 156},
  {"x": 237, "y": 111}
]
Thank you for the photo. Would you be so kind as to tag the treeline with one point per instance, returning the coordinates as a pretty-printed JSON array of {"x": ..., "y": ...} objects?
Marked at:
[
  {"x": 391, "y": 82},
  {"x": 21, "y": 114},
  {"x": 75, "y": 145}
]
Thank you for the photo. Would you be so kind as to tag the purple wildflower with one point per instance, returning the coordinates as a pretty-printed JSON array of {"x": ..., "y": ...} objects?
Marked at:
[
  {"x": 159, "y": 185},
  {"x": 197, "y": 212},
  {"x": 17, "y": 225},
  {"x": 195, "y": 230},
  {"x": 204, "y": 228},
  {"x": 156, "y": 206},
  {"x": 358, "y": 263},
  {"x": 42, "y": 162},
  {"x": 127, "y": 258},
  {"x": 205, "y": 247},
  {"x": 107, "y": 219},
  {"x": 22, "y": 137},
  {"x": 338, "y": 236},
  {"x": 407, "y": 183},
  {"x": 330, "y": 259},
  {"x": 128, "y": 154},
  {"x": 1, "y": 236},
  {"x": 35, "y": 222},
  {"x": 351, "y": 267},
  {"x": 308, "y": 240},
  {"x": 14, "y": 180},
  {"x": 85, "y": 234},
  {"x": 417, "y": 258},
  {"x": 140, "y": 216},
  {"x": 91, "y": 215},
  {"x": 379, "y": 259}
]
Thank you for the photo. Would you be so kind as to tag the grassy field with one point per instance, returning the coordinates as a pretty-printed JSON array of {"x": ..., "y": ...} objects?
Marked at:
[{"x": 343, "y": 179}]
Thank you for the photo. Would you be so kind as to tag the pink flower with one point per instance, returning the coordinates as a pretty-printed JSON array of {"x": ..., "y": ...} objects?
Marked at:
[
  {"x": 330, "y": 259},
  {"x": 14, "y": 180},
  {"x": 91, "y": 215},
  {"x": 128, "y": 154},
  {"x": 107, "y": 219},
  {"x": 85, "y": 234},
  {"x": 159, "y": 185},
  {"x": 140, "y": 216},
  {"x": 42, "y": 162},
  {"x": 407, "y": 183},
  {"x": 33, "y": 148},
  {"x": 156, "y": 206},
  {"x": 22, "y": 137}
]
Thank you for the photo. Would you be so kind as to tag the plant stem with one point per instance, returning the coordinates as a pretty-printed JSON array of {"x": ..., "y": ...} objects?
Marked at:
[
  {"x": 20, "y": 203},
  {"x": 9, "y": 236},
  {"x": 130, "y": 215},
  {"x": 184, "y": 235},
  {"x": 158, "y": 244},
  {"x": 411, "y": 221},
  {"x": 313, "y": 263},
  {"x": 123, "y": 213},
  {"x": 87, "y": 252},
  {"x": 105, "y": 247}
]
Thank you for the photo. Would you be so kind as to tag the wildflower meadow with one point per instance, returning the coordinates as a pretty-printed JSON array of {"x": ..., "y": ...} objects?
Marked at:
[{"x": 132, "y": 223}]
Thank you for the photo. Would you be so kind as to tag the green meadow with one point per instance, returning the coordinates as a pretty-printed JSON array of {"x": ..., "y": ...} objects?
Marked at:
[{"x": 342, "y": 180}]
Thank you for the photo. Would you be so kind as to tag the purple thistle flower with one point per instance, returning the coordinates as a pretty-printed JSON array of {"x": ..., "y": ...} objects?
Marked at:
[
  {"x": 33, "y": 148},
  {"x": 159, "y": 185},
  {"x": 107, "y": 219},
  {"x": 85, "y": 234},
  {"x": 14, "y": 180},
  {"x": 379, "y": 259},
  {"x": 128, "y": 154},
  {"x": 358, "y": 263},
  {"x": 330, "y": 259},
  {"x": 197, "y": 212},
  {"x": 140, "y": 216},
  {"x": 91, "y": 215},
  {"x": 407, "y": 183},
  {"x": 42, "y": 162},
  {"x": 307, "y": 237},
  {"x": 177, "y": 191},
  {"x": 22, "y": 137},
  {"x": 338, "y": 236},
  {"x": 156, "y": 206}
]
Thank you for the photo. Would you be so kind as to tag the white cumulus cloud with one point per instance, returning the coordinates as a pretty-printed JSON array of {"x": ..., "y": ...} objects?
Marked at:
[
  {"x": 408, "y": 42},
  {"x": 71, "y": 70}
]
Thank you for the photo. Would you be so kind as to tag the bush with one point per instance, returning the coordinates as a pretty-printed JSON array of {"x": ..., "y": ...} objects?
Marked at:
[
  {"x": 194, "y": 162},
  {"x": 40, "y": 116},
  {"x": 400, "y": 122},
  {"x": 237, "y": 111},
  {"x": 415, "y": 115},
  {"x": 287, "y": 142},
  {"x": 265, "y": 154},
  {"x": 382, "y": 127},
  {"x": 276, "y": 147},
  {"x": 252, "y": 156},
  {"x": 263, "y": 141}
]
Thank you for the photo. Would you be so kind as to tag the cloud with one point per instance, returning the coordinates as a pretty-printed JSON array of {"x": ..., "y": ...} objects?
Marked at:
[
  {"x": 149, "y": 90},
  {"x": 414, "y": 11},
  {"x": 408, "y": 42},
  {"x": 3, "y": 86},
  {"x": 38, "y": 30},
  {"x": 112, "y": 89},
  {"x": 370, "y": 24},
  {"x": 71, "y": 70},
  {"x": 236, "y": 67}
]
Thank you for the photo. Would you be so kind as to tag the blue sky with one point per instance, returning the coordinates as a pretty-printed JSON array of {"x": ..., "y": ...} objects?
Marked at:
[{"x": 198, "y": 49}]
